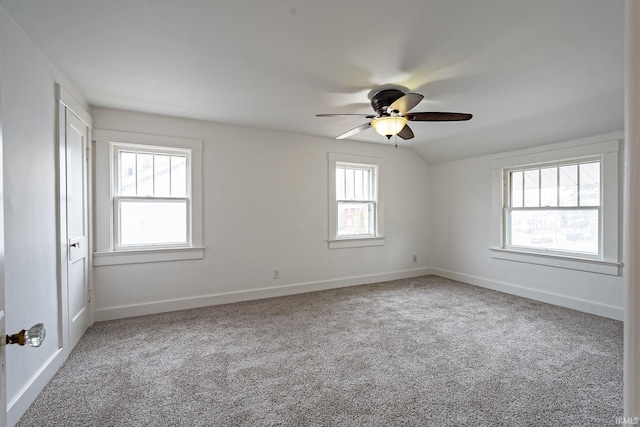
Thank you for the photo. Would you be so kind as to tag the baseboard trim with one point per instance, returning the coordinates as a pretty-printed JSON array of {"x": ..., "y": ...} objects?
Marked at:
[
  {"x": 27, "y": 394},
  {"x": 134, "y": 310},
  {"x": 591, "y": 307}
]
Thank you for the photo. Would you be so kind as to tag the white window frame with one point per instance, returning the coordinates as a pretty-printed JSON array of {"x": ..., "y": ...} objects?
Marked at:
[
  {"x": 117, "y": 197},
  {"x": 375, "y": 164},
  {"x": 508, "y": 209},
  {"x": 606, "y": 148},
  {"x": 107, "y": 251}
]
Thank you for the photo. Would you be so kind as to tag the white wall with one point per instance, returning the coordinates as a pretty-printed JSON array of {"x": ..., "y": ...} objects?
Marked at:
[
  {"x": 460, "y": 223},
  {"x": 265, "y": 207},
  {"x": 31, "y": 292}
]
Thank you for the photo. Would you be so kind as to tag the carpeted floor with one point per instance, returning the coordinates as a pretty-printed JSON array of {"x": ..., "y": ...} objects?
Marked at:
[{"x": 416, "y": 352}]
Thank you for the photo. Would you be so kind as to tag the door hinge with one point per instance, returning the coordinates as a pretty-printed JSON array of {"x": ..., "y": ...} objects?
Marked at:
[
  {"x": 88, "y": 295},
  {"x": 88, "y": 151}
]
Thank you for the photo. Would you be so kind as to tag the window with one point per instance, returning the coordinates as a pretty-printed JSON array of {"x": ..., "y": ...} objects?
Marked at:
[
  {"x": 355, "y": 212},
  {"x": 557, "y": 205},
  {"x": 152, "y": 197},
  {"x": 356, "y": 201},
  {"x": 554, "y": 207},
  {"x": 148, "y": 196}
]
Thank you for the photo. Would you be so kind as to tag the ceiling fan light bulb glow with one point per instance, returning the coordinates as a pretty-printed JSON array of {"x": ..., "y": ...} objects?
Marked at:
[{"x": 388, "y": 125}]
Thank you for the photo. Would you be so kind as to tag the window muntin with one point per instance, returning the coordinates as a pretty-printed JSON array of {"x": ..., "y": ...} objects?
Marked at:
[
  {"x": 151, "y": 197},
  {"x": 555, "y": 208},
  {"x": 158, "y": 174},
  {"x": 356, "y": 200}
]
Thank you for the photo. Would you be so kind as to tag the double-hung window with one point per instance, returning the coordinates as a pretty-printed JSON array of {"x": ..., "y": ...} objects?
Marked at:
[
  {"x": 558, "y": 205},
  {"x": 355, "y": 199},
  {"x": 148, "y": 198},
  {"x": 152, "y": 198},
  {"x": 554, "y": 207},
  {"x": 356, "y": 211}
]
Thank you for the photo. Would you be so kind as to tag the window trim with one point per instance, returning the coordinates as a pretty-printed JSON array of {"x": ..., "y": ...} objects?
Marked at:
[
  {"x": 607, "y": 148},
  {"x": 335, "y": 241},
  {"x": 105, "y": 253}
]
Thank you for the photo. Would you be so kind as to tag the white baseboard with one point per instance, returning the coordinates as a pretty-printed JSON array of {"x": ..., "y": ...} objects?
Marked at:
[
  {"x": 121, "y": 312},
  {"x": 578, "y": 304},
  {"x": 26, "y": 396}
]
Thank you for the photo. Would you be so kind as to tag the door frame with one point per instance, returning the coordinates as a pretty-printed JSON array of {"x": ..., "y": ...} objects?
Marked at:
[
  {"x": 66, "y": 103},
  {"x": 3, "y": 363}
]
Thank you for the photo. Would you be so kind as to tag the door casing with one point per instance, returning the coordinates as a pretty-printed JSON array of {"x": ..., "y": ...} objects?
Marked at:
[{"x": 67, "y": 105}]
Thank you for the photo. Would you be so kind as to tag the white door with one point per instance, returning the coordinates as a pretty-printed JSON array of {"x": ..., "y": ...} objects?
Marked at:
[{"x": 77, "y": 227}]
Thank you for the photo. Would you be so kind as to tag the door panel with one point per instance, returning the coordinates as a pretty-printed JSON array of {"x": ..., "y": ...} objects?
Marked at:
[
  {"x": 77, "y": 300},
  {"x": 77, "y": 218}
]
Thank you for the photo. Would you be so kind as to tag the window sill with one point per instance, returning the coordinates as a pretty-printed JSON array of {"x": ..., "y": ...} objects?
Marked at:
[
  {"x": 147, "y": 255},
  {"x": 568, "y": 262},
  {"x": 357, "y": 242}
]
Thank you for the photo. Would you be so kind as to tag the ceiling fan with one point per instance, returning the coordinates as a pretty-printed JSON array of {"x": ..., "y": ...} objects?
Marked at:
[{"x": 392, "y": 114}]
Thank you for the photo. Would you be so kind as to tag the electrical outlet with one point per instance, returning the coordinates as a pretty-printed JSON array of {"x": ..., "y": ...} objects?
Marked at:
[
  {"x": 276, "y": 273},
  {"x": 415, "y": 258}
]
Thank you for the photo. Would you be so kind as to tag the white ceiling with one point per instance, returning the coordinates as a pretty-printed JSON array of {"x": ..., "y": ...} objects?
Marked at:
[{"x": 530, "y": 72}]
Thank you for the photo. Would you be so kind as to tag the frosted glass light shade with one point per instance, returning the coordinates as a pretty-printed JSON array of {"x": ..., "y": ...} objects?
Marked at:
[{"x": 389, "y": 125}]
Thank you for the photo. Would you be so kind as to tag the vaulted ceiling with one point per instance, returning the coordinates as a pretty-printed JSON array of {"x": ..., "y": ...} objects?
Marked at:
[{"x": 530, "y": 72}]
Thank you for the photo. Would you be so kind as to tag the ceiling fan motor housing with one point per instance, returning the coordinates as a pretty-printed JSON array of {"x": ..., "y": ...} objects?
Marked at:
[{"x": 383, "y": 99}]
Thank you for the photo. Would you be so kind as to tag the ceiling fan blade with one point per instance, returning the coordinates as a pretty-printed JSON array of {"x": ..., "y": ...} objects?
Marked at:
[
  {"x": 368, "y": 116},
  {"x": 407, "y": 102},
  {"x": 354, "y": 131},
  {"x": 406, "y": 132},
  {"x": 438, "y": 117}
]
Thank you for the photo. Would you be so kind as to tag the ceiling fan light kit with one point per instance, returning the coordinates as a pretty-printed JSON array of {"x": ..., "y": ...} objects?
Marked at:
[
  {"x": 389, "y": 125},
  {"x": 392, "y": 107}
]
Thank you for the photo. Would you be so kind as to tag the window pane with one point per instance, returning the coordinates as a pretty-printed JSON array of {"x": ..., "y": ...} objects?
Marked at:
[
  {"x": 153, "y": 222},
  {"x": 590, "y": 184},
  {"x": 145, "y": 174},
  {"x": 179, "y": 176},
  {"x": 356, "y": 219},
  {"x": 357, "y": 184},
  {"x": 574, "y": 230},
  {"x": 340, "y": 190},
  {"x": 516, "y": 189},
  {"x": 349, "y": 178},
  {"x": 161, "y": 173},
  {"x": 366, "y": 181},
  {"x": 549, "y": 186},
  {"x": 127, "y": 173},
  {"x": 532, "y": 188},
  {"x": 569, "y": 185}
]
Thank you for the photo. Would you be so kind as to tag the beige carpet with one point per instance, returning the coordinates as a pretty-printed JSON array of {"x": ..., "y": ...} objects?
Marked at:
[{"x": 416, "y": 352}]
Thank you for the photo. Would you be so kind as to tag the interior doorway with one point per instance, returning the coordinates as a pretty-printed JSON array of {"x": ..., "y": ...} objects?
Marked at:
[{"x": 74, "y": 224}]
